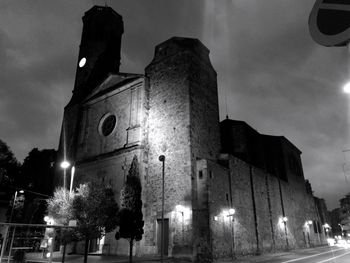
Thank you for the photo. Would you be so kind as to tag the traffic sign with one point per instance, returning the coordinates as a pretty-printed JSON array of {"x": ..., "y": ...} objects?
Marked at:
[{"x": 329, "y": 22}]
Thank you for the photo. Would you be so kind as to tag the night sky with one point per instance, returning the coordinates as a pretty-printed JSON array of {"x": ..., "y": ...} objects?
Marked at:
[{"x": 272, "y": 74}]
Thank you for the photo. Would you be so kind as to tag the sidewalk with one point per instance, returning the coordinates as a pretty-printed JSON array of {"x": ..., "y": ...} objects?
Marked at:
[{"x": 154, "y": 259}]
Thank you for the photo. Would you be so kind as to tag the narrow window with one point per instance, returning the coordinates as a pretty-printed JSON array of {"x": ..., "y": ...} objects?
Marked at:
[{"x": 200, "y": 174}]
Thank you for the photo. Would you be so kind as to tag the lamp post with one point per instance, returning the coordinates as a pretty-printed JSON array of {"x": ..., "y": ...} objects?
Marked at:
[
  {"x": 64, "y": 165},
  {"x": 71, "y": 179},
  {"x": 162, "y": 159}
]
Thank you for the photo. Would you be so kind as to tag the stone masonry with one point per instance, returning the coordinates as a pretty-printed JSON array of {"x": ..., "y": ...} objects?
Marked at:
[{"x": 172, "y": 110}]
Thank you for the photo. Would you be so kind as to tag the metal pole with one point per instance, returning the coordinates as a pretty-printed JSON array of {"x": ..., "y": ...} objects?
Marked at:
[
  {"x": 64, "y": 178},
  {"x": 4, "y": 243},
  {"x": 233, "y": 238},
  {"x": 71, "y": 179},
  {"x": 162, "y": 159},
  {"x": 13, "y": 237}
]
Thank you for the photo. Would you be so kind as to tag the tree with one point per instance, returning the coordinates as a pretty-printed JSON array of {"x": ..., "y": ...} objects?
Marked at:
[
  {"x": 9, "y": 166},
  {"x": 9, "y": 181},
  {"x": 60, "y": 209},
  {"x": 95, "y": 210},
  {"x": 130, "y": 216},
  {"x": 38, "y": 170},
  {"x": 9, "y": 172}
]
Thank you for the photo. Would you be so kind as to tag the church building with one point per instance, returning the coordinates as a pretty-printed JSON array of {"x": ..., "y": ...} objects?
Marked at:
[{"x": 228, "y": 189}]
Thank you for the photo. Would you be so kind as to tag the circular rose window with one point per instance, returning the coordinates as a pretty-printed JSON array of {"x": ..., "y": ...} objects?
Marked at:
[{"x": 107, "y": 124}]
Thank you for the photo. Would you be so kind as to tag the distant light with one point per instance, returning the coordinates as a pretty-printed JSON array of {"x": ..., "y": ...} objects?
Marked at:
[
  {"x": 285, "y": 219},
  {"x": 46, "y": 218},
  {"x": 309, "y": 222},
  {"x": 82, "y": 62},
  {"x": 48, "y": 254},
  {"x": 326, "y": 225},
  {"x": 65, "y": 164},
  {"x": 21, "y": 191},
  {"x": 216, "y": 218},
  {"x": 346, "y": 88}
]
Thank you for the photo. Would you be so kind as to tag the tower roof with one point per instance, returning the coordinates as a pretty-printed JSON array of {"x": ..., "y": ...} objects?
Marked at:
[{"x": 97, "y": 10}]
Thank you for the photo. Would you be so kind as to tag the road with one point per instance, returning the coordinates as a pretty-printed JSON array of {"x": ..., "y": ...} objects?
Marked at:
[{"x": 317, "y": 255}]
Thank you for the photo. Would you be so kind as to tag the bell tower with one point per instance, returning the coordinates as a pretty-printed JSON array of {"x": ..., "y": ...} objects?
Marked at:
[{"x": 99, "y": 52}]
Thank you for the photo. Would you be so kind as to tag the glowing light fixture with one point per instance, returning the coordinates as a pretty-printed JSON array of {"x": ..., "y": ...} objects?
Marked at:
[
  {"x": 185, "y": 211},
  {"x": 65, "y": 164},
  {"x": 285, "y": 219},
  {"x": 346, "y": 88},
  {"x": 231, "y": 211},
  {"x": 309, "y": 222}
]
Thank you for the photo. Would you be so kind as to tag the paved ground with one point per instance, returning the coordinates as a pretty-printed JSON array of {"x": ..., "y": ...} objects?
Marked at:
[{"x": 314, "y": 255}]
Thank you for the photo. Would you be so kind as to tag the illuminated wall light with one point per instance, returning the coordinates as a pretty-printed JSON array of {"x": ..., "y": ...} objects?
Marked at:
[
  {"x": 225, "y": 213},
  {"x": 185, "y": 211},
  {"x": 231, "y": 211},
  {"x": 282, "y": 221}
]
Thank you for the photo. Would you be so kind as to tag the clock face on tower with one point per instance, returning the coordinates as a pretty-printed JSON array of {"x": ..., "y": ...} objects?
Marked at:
[{"x": 82, "y": 62}]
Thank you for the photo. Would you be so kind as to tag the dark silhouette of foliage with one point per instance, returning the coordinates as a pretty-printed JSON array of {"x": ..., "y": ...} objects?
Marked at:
[
  {"x": 130, "y": 216},
  {"x": 10, "y": 179},
  {"x": 9, "y": 167},
  {"x": 95, "y": 210},
  {"x": 38, "y": 171}
]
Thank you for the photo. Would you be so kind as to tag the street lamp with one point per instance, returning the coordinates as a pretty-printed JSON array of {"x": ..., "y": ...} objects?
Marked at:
[
  {"x": 162, "y": 159},
  {"x": 346, "y": 87},
  {"x": 64, "y": 165}
]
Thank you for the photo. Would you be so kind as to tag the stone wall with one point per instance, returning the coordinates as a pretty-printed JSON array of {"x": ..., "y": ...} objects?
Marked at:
[
  {"x": 256, "y": 197},
  {"x": 183, "y": 107}
]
